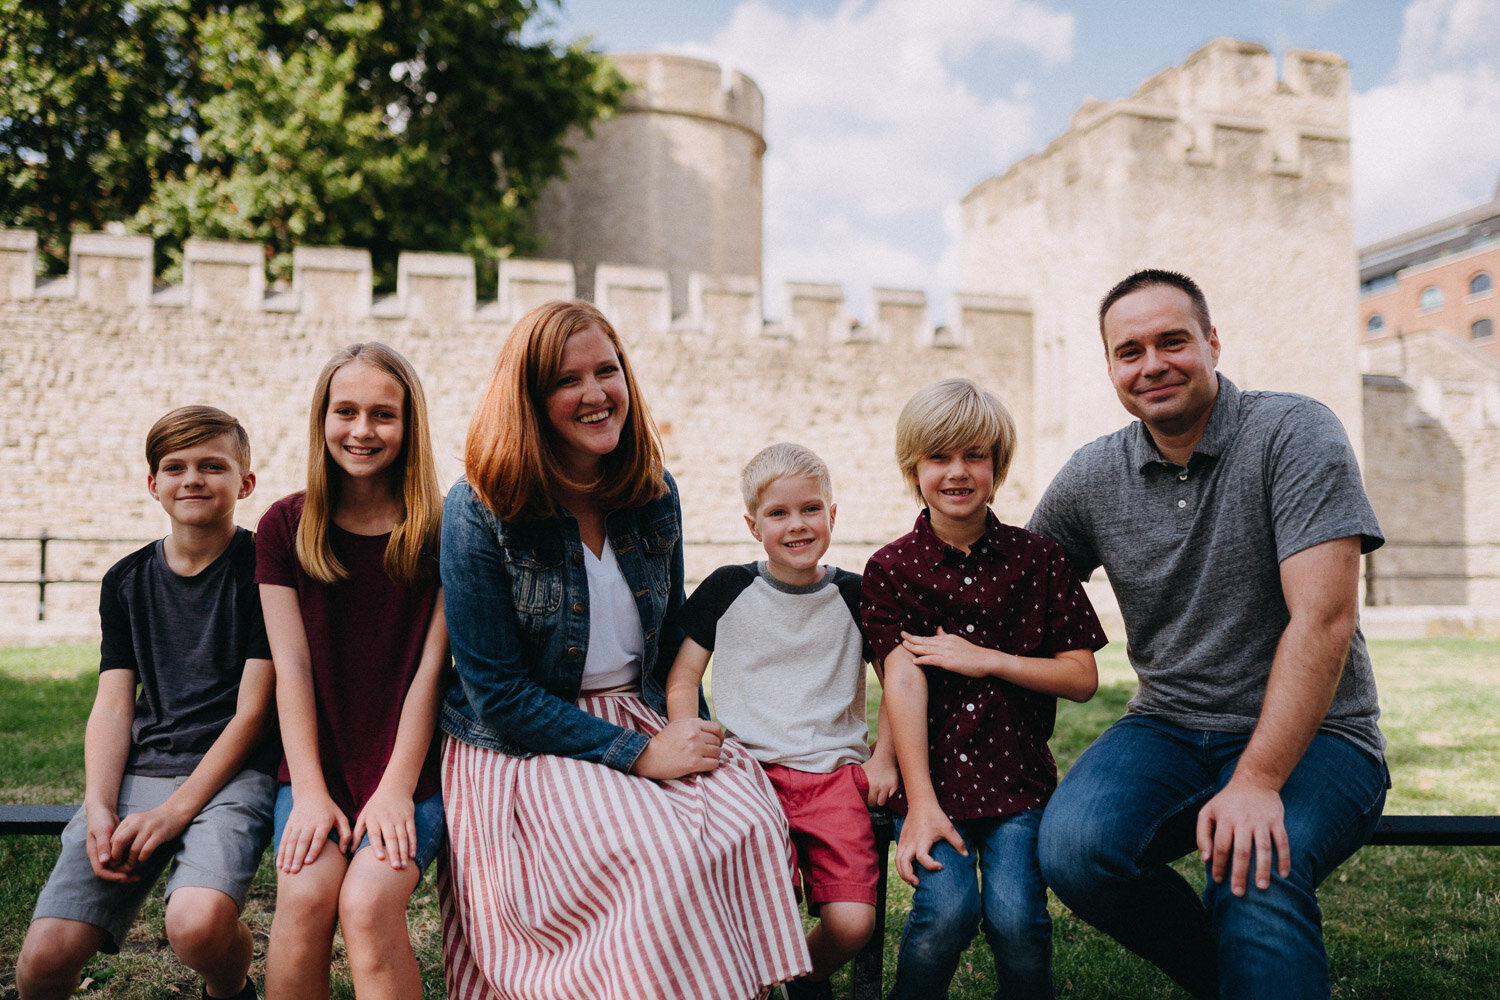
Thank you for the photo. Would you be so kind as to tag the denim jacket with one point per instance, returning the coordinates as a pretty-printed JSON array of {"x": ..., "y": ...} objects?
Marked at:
[{"x": 515, "y": 595}]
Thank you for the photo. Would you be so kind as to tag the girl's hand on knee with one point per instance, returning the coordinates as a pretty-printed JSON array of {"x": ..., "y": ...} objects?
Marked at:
[
  {"x": 687, "y": 746},
  {"x": 923, "y": 827},
  {"x": 312, "y": 819},
  {"x": 390, "y": 819}
]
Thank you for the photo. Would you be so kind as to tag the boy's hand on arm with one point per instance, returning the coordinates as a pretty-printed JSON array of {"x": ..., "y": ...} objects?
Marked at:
[
  {"x": 924, "y": 826},
  {"x": 139, "y": 835},
  {"x": 682, "y": 747},
  {"x": 953, "y": 653},
  {"x": 685, "y": 678}
]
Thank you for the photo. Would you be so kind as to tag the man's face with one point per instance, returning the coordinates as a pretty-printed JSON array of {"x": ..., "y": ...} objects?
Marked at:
[{"x": 1161, "y": 360}]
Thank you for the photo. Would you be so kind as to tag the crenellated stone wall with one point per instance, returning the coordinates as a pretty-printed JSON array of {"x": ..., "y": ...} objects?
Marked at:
[
  {"x": 89, "y": 360},
  {"x": 1215, "y": 168}
]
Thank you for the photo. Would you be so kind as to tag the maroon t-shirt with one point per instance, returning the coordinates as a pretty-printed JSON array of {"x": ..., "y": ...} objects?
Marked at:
[
  {"x": 365, "y": 634},
  {"x": 1013, "y": 591}
]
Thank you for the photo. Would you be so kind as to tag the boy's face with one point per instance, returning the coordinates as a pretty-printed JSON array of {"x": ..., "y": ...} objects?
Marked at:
[
  {"x": 956, "y": 485},
  {"x": 199, "y": 486},
  {"x": 794, "y": 521}
]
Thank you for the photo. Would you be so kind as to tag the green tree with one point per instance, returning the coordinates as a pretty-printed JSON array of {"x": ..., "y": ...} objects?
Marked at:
[{"x": 394, "y": 125}]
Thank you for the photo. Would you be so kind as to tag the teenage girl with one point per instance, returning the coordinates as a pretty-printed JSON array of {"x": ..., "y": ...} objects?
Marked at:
[{"x": 348, "y": 576}]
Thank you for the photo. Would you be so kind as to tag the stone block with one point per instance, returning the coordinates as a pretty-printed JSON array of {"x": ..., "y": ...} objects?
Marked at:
[
  {"x": 436, "y": 288},
  {"x": 18, "y": 262},
  {"x": 637, "y": 300},
  {"x": 526, "y": 284},
  {"x": 332, "y": 282},
  {"x": 111, "y": 271},
  {"x": 224, "y": 276},
  {"x": 724, "y": 306}
]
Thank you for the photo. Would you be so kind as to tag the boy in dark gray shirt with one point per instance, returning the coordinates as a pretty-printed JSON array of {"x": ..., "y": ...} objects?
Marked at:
[{"x": 180, "y": 772}]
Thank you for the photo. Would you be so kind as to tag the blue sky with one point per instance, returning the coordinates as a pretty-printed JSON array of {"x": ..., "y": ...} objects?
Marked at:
[{"x": 882, "y": 114}]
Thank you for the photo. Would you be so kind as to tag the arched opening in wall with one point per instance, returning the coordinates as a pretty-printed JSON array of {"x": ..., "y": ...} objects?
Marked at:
[
  {"x": 1480, "y": 283},
  {"x": 1374, "y": 325},
  {"x": 1482, "y": 329},
  {"x": 1430, "y": 299}
]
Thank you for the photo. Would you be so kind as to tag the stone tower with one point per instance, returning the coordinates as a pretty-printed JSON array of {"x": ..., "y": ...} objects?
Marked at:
[
  {"x": 1216, "y": 168},
  {"x": 673, "y": 181}
]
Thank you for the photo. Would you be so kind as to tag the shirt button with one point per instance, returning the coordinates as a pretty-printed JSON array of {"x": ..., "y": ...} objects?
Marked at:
[
  {"x": 1181, "y": 503},
  {"x": 1183, "y": 477},
  {"x": 578, "y": 607},
  {"x": 968, "y": 628},
  {"x": 968, "y": 579},
  {"x": 573, "y": 652}
]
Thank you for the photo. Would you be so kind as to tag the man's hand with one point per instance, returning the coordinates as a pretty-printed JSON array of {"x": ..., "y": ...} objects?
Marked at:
[
  {"x": 923, "y": 827},
  {"x": 1243, "y": 816}
]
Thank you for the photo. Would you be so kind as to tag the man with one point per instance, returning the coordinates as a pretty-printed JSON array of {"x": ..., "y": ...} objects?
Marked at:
[{"x": 1231, "y": 525}]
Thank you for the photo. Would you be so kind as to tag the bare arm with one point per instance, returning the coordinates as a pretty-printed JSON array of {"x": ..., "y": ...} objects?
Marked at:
[
  {"x": 106, "y": 748},
  {"x": 685, "y": 679},
  {"x": 314, "y": 813},
  {"x": 1321, "y": 587},
  {"x": 926, "y": 823},
  {"x": 140, "y": 834},
  {"x": 1071, "y": 674},
  {"x": 389, "y": 817},
  {"x": 881, "y": 769}
]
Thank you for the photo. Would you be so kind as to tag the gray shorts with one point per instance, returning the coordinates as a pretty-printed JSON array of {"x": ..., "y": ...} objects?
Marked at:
[{"x": 220, "y": 849}]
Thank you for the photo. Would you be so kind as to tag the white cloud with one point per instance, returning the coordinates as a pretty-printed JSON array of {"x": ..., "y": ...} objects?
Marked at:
[
  {"x": 1427, "y": 144},
  {"x": 873, "y": 133}
]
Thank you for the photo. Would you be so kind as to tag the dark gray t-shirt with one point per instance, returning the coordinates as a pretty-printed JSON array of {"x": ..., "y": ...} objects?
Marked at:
[
  {"x": 187, "y": 639},
  {"x": 1194, "y": 553}
]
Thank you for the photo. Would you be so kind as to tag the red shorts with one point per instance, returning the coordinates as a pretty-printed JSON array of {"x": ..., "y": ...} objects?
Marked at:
[{"x": 831, "y": 837}]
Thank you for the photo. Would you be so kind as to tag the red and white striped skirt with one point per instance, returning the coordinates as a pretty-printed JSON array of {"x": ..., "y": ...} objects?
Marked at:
[{"x": 568, "y": 880}]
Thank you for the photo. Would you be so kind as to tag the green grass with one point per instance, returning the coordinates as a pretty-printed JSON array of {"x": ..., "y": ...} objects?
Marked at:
[{"x": 1400, "y": 921}]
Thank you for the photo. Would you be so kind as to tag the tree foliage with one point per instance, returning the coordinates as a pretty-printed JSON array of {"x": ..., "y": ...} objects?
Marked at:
[{"x": 406, "y": 124}]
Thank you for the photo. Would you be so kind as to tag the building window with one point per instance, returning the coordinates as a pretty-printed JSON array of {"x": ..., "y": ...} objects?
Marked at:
[
  {"x": 1431, "y": 298},
  {"x": 1483, "y": 329},
  {"x": 1375, "y": 324},
  {"x": 1480, "y": 283}
]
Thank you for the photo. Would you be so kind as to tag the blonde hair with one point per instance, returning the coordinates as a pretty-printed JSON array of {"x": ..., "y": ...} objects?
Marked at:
[
  {"x": 510, "y": 455},
  {"x": 188, "y": 426},
  {"x": 411, "y": 553},
  {"x": 952, "y": 414},
  {"x": 780, "y": 460}
]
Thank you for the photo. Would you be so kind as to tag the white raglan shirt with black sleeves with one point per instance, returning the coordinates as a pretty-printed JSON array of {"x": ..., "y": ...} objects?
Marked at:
[{"x": 788, "y": 677}]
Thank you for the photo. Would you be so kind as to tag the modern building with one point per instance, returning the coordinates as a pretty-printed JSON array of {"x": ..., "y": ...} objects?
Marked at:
[{"x": 1438, "y": 277}]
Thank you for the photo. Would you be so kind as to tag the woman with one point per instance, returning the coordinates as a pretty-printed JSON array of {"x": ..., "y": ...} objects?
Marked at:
[{"x": 596, "y": 850}]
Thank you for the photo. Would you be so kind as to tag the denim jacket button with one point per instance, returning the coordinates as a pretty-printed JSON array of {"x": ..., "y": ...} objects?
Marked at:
[
  {"x": 578, "y": 607},
  {"x": 574, "y": 652},
  {"x": 577, "y": 557}
]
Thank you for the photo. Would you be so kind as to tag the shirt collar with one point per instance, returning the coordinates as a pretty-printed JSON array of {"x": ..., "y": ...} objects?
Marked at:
[
  {"x": 1223, "y": 422},
  {"x": 989, "y": 540}
]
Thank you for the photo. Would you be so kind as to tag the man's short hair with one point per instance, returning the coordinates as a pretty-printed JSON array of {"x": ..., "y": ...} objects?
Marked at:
[
  {"x": 1157, "y": 276},
  {"x": 778, "y": 461},
  {"x": 187, "y": 426},
  {"x": 952, "y": 414}
]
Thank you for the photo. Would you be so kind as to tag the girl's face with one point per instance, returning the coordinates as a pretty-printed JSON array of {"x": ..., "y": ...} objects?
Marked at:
[
  {"x": 366, "y": 420},
  {"x": 588, "y": 402}
]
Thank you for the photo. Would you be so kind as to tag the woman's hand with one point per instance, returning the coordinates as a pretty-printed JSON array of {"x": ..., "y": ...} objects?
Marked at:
[
  {"x": 390, "y": 818},
  {"x": 687, "y": 746},
  {"x": 314, "y": 816}
]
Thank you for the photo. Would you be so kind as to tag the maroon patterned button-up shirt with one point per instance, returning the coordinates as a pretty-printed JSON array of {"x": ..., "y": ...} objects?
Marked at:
[{"x": 1013, "y": 591}]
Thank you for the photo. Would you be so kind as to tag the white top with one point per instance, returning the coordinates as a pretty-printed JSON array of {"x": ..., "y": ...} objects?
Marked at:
[{"x": 616, "y": 642}]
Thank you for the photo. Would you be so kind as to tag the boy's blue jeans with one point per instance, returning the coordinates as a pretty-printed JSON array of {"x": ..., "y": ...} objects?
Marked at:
[
  {"x": 999, "y": 888},
  {"x": 1130, "y": 805}
]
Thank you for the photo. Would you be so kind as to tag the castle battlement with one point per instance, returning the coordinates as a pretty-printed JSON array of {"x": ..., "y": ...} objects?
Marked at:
[{"x": 113, "y": 272}]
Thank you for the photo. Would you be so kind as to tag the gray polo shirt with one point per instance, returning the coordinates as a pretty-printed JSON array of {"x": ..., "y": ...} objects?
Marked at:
[{"x": 1194, "y": 553}]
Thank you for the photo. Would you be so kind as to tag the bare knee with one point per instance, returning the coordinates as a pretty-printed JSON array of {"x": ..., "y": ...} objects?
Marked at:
[
  {"x": 848, "y": 925},
  {"x": 372, "y": 902},
  {"x": 52, "y": 955},
  {"x": 202, "y": 925}
]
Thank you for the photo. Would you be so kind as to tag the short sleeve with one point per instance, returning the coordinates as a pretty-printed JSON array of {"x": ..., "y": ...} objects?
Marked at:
[
  {"x": 701, "y": 612},
  {"x": 880, "y": 611},
  {"x": 1317, "y": 494},
  {"x": 1071, "y": 620},
  {"x": 116, "y": 650},
  {"x": 275, "y": 546}
]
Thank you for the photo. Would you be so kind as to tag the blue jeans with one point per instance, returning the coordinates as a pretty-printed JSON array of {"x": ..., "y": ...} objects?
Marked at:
[
  {"x": 1130, "y": 805},
  {"x": 1004, "y": 894},
  {"x": 431, "y": 827}
]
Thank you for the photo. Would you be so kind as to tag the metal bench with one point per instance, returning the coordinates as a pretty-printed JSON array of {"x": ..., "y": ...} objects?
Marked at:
[{"x": 869, "y": 965}]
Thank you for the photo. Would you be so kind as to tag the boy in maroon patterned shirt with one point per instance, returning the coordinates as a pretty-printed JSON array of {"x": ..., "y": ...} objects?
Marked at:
[{"x": 981, "y": 626}]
